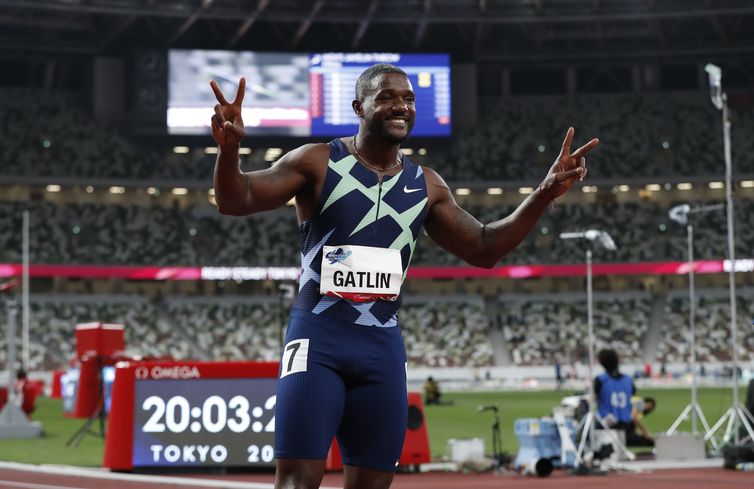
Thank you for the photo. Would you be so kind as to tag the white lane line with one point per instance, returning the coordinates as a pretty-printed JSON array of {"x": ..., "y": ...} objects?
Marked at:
[
  {"x": 64, "y": 470},
  {"x": 30, "y": 485}
]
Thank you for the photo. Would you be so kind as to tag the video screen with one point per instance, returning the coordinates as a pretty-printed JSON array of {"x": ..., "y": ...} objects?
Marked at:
[
  {"x": 333, "y": 82},
  {"x": 295, "y": 95},
  {"x": 277, "y": 90},
  {"x": 69, "y": 386},
  {"x": 108, "y": 378}
]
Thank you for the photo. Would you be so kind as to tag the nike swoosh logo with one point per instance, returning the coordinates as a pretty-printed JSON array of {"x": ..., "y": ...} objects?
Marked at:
[{"x": 410, "y": 190}]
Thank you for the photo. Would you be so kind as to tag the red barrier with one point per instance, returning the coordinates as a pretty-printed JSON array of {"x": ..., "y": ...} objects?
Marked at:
[
  {"x": 89, "y": 394},
  {"x": 334, "y": 462},
  {"x": 101, "y": 339},
  {"x": 55, "y": 389},
  {"x": 416, "y": 445}
]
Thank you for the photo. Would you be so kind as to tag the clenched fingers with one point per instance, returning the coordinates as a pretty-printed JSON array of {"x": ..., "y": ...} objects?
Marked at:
[
  {"x": 582, "y": 164},
  {"x": 219, "y": 116},
  {"x": 570, "y": 175}
]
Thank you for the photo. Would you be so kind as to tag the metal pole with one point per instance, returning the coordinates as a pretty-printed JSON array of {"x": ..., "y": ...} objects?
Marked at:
[
  {"x": 692, "y": 326},
  {"x": 10, "y": 330},
  {"x": 731, "y": 252},
  {"x": 25, "y": 295},
  {"x": 590, "y": 333}
]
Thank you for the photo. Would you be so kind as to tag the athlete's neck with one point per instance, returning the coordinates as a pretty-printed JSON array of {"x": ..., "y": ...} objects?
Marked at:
[{"x": 376, "y": 151}]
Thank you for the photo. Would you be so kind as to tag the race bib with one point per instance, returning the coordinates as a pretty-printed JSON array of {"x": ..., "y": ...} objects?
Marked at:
[{"x": 361, "y": 273}]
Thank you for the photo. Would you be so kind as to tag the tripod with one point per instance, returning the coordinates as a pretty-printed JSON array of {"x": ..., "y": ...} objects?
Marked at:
[
  {"x": 736, "y": 413},
  {"x": 680, "y": 214},
  {"x": 497, "y": 440},
  {"x": 98, "y": 415},
  {"x": 587, "y": 424}
]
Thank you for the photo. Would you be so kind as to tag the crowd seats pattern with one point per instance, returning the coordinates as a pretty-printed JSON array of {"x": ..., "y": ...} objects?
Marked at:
[
  {"x": 198, "y": 235},
  {"x": 712, "y": 326},
  {"x": 642, "y": 135},
  {"x": 539, "y": 331}
]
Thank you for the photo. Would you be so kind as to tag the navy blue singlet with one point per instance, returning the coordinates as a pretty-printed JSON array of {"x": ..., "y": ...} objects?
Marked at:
[
  {"x": 343, "y": 365},
  {"x": 355, "y": 209}
]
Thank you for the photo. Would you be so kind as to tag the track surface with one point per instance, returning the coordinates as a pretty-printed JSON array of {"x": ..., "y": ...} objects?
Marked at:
[{"x": 28, "y": 478}]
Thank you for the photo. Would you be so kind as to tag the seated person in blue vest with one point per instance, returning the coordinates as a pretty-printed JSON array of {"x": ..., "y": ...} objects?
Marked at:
[
  {"x": 361, "y": 206},
  {"x": 614, "y": 392}
]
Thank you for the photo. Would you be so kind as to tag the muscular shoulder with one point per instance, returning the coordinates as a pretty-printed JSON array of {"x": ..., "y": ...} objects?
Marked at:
[
  {"x": 437, "y": 189},
  {"x": 307, "y": 158}
]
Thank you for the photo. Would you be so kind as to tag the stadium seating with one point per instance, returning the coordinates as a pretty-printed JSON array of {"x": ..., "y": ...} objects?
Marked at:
[
  {"x": 539, "y": 330},
  {"x": 439, "y": 331},
  {"x": 643, "y": 135},
  {"x": 199, "y": 235},
  {"x": 230, "y": 330},
  {"x": 712, "y": 327},
  {"x": 446, "y": 332},
  {"x": 53, "y": 318}
]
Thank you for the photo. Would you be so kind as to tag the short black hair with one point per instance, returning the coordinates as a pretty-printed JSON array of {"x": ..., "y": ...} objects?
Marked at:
[
  {"x": 608, "y": 359},
  {"x": 364, "y": 83},
  {"x": 652, "y": 400}
]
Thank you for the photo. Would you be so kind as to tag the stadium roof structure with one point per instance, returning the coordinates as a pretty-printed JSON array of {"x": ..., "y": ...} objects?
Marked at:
[{"x": 514, "y": 32}]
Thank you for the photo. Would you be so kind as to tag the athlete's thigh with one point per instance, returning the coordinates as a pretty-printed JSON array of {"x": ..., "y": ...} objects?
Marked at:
[
  {"x": 299, "y": 473},
  {"x": 374, "y": 421},
  {"x": 308, "y": 409},
  {"x": 363, "y": 478}
]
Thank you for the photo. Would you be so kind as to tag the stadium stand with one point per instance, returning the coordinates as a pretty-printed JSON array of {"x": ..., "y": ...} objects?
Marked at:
[
  {"x": 197, "y": 235},
  {"x": 446, "y": 331},
  {"x": 539, "y": 329},
  {"x": 439, "y": 331},
  {"x": 50, "y": 135},
  {"x": 712, "y": 326}
]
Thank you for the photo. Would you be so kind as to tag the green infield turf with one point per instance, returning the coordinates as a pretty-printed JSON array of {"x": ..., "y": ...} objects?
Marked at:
[
  {"x": 463, "y": 419},
  {"x": 51, "y": 448},
  {"x": 460, "y": 420}
]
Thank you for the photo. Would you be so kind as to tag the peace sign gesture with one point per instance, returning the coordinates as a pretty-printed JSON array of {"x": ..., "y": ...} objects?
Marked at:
[
  {"x": 227, "y": 124},
  {"x": 568, "y": 167}
]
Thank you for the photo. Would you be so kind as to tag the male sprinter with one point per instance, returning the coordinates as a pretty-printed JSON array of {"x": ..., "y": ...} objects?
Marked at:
[{"x": 361, "y": 205}]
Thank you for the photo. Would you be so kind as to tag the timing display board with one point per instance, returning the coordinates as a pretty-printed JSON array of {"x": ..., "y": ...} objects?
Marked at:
[
  {"x": 290, "y": 94},
  {"x": 192, "y": 414},
  {"x": 277, "y": 90},
  {"x": 333, "y": 80}
]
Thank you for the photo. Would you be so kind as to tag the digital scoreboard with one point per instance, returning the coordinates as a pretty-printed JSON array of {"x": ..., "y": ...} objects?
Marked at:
[
  {"x": 333, "y": 80},
  {"x": 295, "y": 94},
  {"x": 184, "y": 414}
]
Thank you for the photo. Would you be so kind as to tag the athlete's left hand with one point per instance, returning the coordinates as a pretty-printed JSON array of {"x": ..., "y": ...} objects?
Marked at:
[{"x": 567, "y": 168}]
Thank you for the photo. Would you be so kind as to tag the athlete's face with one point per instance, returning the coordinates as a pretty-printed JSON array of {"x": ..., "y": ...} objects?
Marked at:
[{"x": 389, "y": 109}]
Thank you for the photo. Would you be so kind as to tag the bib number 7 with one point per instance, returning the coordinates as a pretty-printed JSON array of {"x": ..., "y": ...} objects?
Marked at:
[{"x": 295, "y": 356}]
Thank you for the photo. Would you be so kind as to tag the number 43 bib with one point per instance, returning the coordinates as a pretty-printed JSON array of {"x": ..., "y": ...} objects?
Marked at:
[{"x": 361, "y": 273}]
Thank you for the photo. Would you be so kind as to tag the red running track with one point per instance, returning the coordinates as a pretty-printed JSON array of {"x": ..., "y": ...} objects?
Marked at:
[{"x": 658, "y": 479}]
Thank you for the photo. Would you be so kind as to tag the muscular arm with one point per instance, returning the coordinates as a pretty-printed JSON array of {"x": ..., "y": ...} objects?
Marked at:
[
  {"x": 483, "y": 245},
  {"x": 238, "y": 193},
  {"x": 478, "y": 244}
]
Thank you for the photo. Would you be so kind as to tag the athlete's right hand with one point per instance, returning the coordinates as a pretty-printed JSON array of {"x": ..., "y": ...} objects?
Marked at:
[{"x": 227, "y": 124}]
